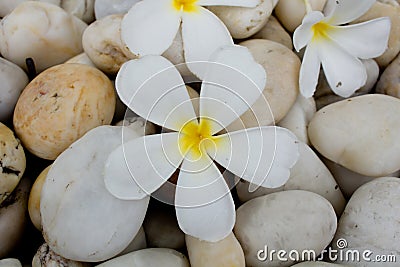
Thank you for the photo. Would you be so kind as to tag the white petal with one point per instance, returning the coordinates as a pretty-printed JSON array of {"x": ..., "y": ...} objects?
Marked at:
[
  {"x": 344, "y": 11},
  {"x": 309, "y": 71},
  {"x": 203, "y": 202},
  {"x": 303, "y": 34},
  {"x": 262, "y": 156},
  {"x": 150, "y": 26},
  {"x": 232, "y": 83},
  {"x": 153, "y": 88},
  {"x": 364, "y": 40},
  {"x": 139, "y": 167},
  {"x": 202, "y": 33},
  {"x": 241, "y": 3},
  {"x": 344, "y": 72}
]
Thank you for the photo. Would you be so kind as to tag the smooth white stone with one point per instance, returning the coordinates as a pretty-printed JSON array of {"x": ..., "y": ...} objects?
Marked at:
[
  {"x": 76, "y": 206},
  {"x": 10, "y": 263},
  {"x": 274, "y": 31},
  {"x": 103, "y": 8},
  {"x": 13, "y": 80},
  {"x": 82, "y": 9},
  {"x": 45, "y": 257}
]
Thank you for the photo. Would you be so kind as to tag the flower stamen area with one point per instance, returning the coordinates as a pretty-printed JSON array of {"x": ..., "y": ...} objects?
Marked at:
[
  {"x": 320, "y": 30},
  {"x": 185, "y": 5},
  {"x": 194, "y": 137}
]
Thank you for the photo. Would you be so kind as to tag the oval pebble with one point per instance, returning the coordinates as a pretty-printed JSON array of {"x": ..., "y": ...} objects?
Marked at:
[
  {"x": 371, "y": 221},
  {"x": 41, "y": 31},
  {"x": 45, "y": 257},
  {"x": 60, "y": 105},
  {"x": 149, "y": 257},
  {"x": 360, "y": 133},
  {"x": 309, "y": 174},
  {"x": 10, "y": 262},
  {"x": 243, "y": 22},
  {"x": 224, "y": 253},
  {"x": 280, "y": 93},
  {"x": 12, "y": 162},
  {"x": 281, "y": 221},
  {"x": 74, "y": 192},
  {"x": 13, "y": 80},
  {"x": 389, "y": 81},
  {"x": 274, "y": 31}
]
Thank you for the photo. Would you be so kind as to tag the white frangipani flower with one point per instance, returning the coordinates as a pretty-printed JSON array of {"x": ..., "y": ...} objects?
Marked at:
[
  {"x": 150, "y": 27},
  {"x": 152, "y": 87},
  {"x": 339, "y": 49}
]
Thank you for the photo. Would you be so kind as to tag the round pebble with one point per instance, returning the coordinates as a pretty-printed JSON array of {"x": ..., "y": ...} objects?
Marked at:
[
  {"x": 74, "y": 192},
  {"x": 13, "y": 217},
  {"x": 41, "y": 31},
  {"x": 274, "y": 31},
  {"x": 309, "y": 174},
  {"x": 13, "y": 80},
  {"x": 389, "y": 82},
  {"x": 371, "y": 220},
  {"x": 291, "y": 12},
  {"x": 12, "y": 162},
  {"x": 281, "y": 221},
  {"x": 360, "y": 133},
  {"x": 60, "y": 105},
  {"x": 45, "y": 257},
  {"x": 243, "y": 22},
  {"x": 224, "y": 253},
  {"x": 280, "y": 93},
  {"x": 103, "y": 45},
  {"x": 10, "y": 262},
  {"x": 34, "y": 199},
  {"x": 149, "y": 257}
]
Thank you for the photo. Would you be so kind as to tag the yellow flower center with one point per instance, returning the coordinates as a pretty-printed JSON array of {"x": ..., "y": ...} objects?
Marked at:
[
  {"x": 185, "y": 5},
  {"x": 321, "y": 29},
  {"x": 194, "y": 137}
]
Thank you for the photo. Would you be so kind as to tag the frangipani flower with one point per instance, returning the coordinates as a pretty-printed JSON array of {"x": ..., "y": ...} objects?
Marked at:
[
  {"x": 152, "y": 87},
  {"x": 150, "y": 27},
  {"x": 339, "y": 49}
]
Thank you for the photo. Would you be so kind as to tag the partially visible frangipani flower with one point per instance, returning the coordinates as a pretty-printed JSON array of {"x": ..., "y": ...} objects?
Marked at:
[
  {"x": 150, "y": 27},
  {"x": 339, "y": 49},
  {"x": 152, "y": 87}
]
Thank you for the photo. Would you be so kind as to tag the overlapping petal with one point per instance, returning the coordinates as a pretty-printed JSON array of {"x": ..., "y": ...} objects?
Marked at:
[
  {"x": 202, "y": 34},
  {"x": 153, "y": 88},
  {"x": 364, "y": 40},
  {"x": 203, "y": 202},
  {"x": 139, "y": 167},
  {"x": 232, "y": 83},
  {"x": 303, "y": 34},
  {"x": 262, "y": 156},
  {"x": 344, "y": 73},
  {"x": 240, "y": 3},
  {"x": 344, "y": 11},
  {"x": 309, "y": 71},
  {"x": 150, "y": 26}
]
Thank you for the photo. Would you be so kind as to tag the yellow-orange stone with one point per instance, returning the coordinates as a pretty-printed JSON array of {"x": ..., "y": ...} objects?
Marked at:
[{"x": 60, "y": 105}]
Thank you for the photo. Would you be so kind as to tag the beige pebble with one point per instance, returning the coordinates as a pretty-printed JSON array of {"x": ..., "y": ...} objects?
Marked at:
[
  {"x": 13, "y": 217},
  {"x": 60, "y": 105},
  {"x": 243, "y": 22},
  {"x": 41, "y": 31},
  {"x": 291, "y": 12},
  {"x": 360, "y": 133},
  {"x": 149, "y": 257},
  {"x": 103, "y": 45},
  {"x": 162, "y": 230},
  {"x": 309, "y": 174},
  {"x": 393, "y": 12},
  {"x": 45, "y": 257},
  {"x": 82, "y": 9},
  {"x": 280, "y": 93},
  {"x": 274, "y": 31},
  {"x": 10, "y": 262},
  {"x": 34, "y": 199},
  {"x": 371, "y": 221},
  {"x": 12, "y": 162},
  {"x": 13, "y": 80},
  {"x": 81, "y": 59},
  {"x": 299, "y": 116},
  {"x": 224, "y": 253},
  {"x": 389, "y": 81},
  {"x": 281, "y": 221}
]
